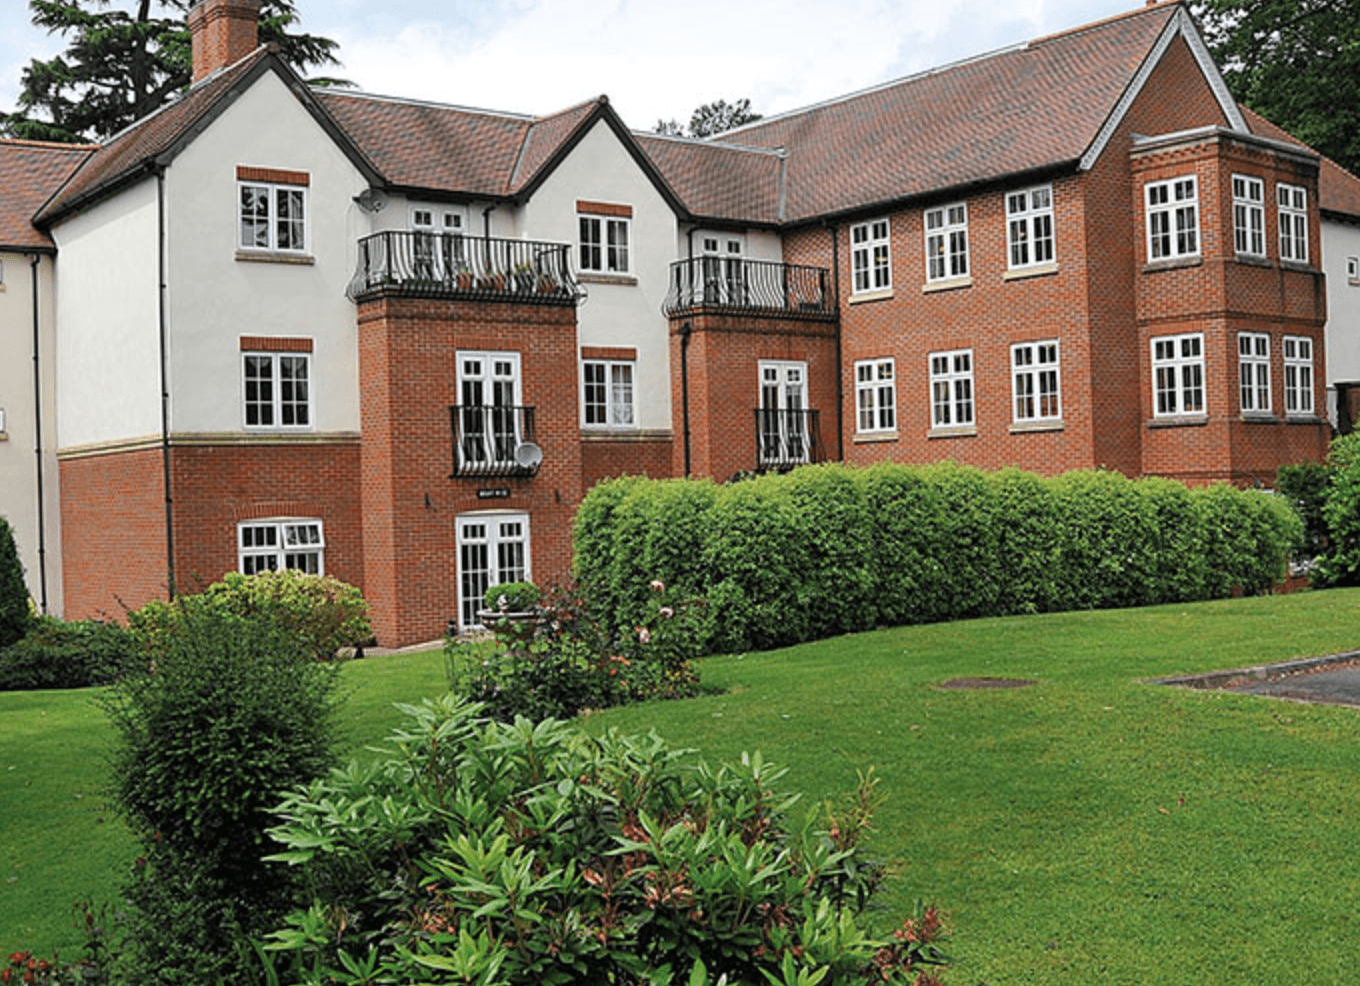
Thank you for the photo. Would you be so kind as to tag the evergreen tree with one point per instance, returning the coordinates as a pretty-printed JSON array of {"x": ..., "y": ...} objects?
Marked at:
[
  {"x": 14, "y": 614},
  {"x": 710, "y": 118},
  {"x": 121, "y": 65}
]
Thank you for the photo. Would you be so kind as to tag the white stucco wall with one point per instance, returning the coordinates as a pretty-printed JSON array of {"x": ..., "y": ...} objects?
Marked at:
[
  {"x": 1341, "y": 241},
  {"x": 215, "y": 298},
  {"x": 108, "y": 347},
  {"x": 18, "y": 432},
  {"x": 599, "y": 169}
]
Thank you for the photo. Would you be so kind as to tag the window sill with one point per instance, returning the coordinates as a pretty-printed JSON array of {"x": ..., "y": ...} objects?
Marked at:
[
  {"x": 1298, "y": 268},
  {"x": 595, "y": 277},
  {"x": 619, "y": 433},
  {"x": 274, "y": 257},
  {"x": 958, "y": 431},
  {"x": 1175, "y": 263},
  {"x": 1022, "y": 273},
  {"x": 869, "y": 437},
  {"x": 1259, "y": 418},
  {"x": 953, "y": 284},
  {"x": 1180, "y": 421},
  {"x": 882, "y": 294},
  {"x": 1032, "y": 427},
  {"x": 1302, "y": 419},
  {"x": 1253, "y": 261}
]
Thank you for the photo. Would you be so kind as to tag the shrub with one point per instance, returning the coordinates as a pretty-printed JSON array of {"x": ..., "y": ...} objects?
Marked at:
[
  {"x": 235, "y": 710},
  {"x": 14, "y": 609},
  {"x": 1306, "y": 486},
  {"x": 1248, "y": 535},
  {"x": 512, "y": 597},
  {"x": 1341, "y": 565},
  {"x": 54, "y": 654},
  {"x": 526, "y": 854}
]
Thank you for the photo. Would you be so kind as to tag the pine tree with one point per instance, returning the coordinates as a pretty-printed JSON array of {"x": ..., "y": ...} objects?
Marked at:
[{"x": 14, "y": 613}]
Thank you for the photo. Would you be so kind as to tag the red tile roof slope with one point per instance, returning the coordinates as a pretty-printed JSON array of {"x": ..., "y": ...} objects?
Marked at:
[
  {"x": 545, "y": 135},
  {"x": 1019, "y": 109},
  {"x": 30, "y": 171},
  {"x": 1338, "y": 189},
  {"x": 718, "y": 181}
]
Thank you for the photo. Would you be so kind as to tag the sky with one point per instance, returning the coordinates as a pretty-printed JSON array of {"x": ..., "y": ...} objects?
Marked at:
[{"x": 654, "y": 59}]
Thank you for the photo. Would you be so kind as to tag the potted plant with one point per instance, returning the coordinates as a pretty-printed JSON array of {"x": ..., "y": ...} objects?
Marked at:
[
  {"x": 511, "y": 611},
  {"x": 524, "y": 275}
]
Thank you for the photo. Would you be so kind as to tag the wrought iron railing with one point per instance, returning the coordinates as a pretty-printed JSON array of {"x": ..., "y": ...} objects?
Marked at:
[
  {"x": 786, "y": 438},
  {"x": 455, "y": 265},
  {"x": 492, "y": 441},
  {"x": 748, "y": 285}
]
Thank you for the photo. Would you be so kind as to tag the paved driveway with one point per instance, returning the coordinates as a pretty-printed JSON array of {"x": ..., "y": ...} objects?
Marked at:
[{"x": 1334, "y": 680}]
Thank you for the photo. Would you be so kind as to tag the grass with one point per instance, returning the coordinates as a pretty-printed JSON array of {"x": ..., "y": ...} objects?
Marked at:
[{"x": 1090, "y": 828}]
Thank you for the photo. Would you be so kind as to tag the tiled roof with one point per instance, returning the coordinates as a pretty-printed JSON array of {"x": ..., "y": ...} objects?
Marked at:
[
  {"x": 718, "y": 181},
  {"x": 1020, "y": 109},
  {"x": 30, "y": 171},
  {"x": 126, "y": 153},
  {"x": 1338, "y": 189}
]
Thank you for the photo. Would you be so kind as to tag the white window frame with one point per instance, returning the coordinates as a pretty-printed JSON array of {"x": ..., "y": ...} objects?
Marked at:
[
  {"x": 1253, "y": 372},
  {"x": 1249, "y": 215},
  {"x": 946, "y": 230},
  {"x": 608, "y": 400},
  {"x": 783, "y": 437},
  {"x": 282, "y": 399},
  {"x": 1178, "y": 388},
  {"x": 264, "y": 216},
  {"x": 1292, "y": 202},
  {"x": 605, "y": 243},
  {"x": 875, "y": 396},
  {"x": 1353, "y": 270},
  {"x": 952, "y": 395},
  {"x": 493, "y": 548},
  {"x": 871, "y": 256},
  {"x": 1036, "y": 382},
  {"x": 1172, "y": 218},
  {"x": 438, "y": 247},
  {"x": 1029, "y": 228},
  {"x": 277, "y": 544},
  {"x": 488, "y": 379},
  {"x": 1298, "y": 376}
]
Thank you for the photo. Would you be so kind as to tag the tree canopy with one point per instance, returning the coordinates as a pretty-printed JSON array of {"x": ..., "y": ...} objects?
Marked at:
[
  {"x": 1297, "y": 63},
  {"x": 120, "y": 64},
  {"x": 710, "y": 118}
]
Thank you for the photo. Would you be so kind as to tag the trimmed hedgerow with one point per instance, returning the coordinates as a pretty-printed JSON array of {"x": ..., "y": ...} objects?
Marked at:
[
  {"x": 55, "y": 654},
  {"x": 831, "y": 549}
]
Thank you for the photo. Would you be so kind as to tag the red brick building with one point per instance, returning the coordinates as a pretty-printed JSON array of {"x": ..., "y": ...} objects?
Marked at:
[{"x": 397, "y": 342}]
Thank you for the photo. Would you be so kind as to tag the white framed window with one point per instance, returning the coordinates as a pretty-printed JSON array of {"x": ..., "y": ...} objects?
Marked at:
[
  {"x": 607, "y": 393},
  {"x": 281, "y": 543},
  {"x": 488, "y": 408},
  {"x": 947, "y": 242},
  {"x": 1353, "y": 269},
  {"x": 1249, "y": 216},
  {"x": 724, "y": 271},
  {"x": 951, "y": 389},
  {"x": 1172, "y": 218},
  {"x": 604, "y": 244},
  {"x": 1178, "y": 375},
  {"x": 783, "y": 435},
  {"x": 1029, "y": 226},
  {"x": 438, "y": 248},
  {"x": 1298, "y": 375},
  {"x": 1253, "y": 370},
  {"x": 1293, "y": 210},
  {"x": 272, "y": 216},
  {"x": 871, "y": 256},
  {"x": 1036, "y": 385},
  {"x": 875, "y": 396},
  {"x": 277, "y": 389},
  {"x": 493, "y": 549}
]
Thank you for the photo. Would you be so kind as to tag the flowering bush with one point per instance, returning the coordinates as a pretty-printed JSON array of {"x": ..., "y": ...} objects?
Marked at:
[{"x": 567, "y": 660}]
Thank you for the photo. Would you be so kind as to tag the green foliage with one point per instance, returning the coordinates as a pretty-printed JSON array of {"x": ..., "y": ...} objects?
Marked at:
[
  {"x": 513, "y": 597},
  {"x": 535, "y": 854},
  {"x": 1306, "y": 486},
  {"x": 54, "y": 654},
  {"x": 14, "y": 608},
  {"x": 830, "y": 549},
  {"x": 234, "y": 710},
  {"x": 1341, "y": 565},
  {"x": 711, "y": 118},
  {"x": 322, "y": 612}
]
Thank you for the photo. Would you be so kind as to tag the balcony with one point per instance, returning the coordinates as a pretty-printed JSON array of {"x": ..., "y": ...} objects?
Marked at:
[
  {"x": 786, "y": 438},
  {"x": 749, "y": 286},
  {"x": 493, "y": 441},
  {"x": 452, "y": 265}
]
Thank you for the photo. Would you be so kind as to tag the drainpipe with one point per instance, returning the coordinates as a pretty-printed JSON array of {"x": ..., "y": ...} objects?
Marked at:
[
  {"x": 33, "y": 261},
  {"x": 686, "y": 329},
  {"x": 165, "y": 382},
  {"x": 840, "y": 354}
]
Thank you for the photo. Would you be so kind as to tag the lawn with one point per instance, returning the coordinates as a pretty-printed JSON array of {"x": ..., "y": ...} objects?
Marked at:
[{"x": 1090, "y": 828}]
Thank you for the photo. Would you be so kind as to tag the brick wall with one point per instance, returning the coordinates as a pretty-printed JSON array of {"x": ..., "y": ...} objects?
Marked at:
[{"x": 223, "y": 32}]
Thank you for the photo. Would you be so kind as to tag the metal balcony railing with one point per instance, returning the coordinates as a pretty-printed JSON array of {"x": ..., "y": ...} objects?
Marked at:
[
  {"x": 748, "y": 286},
  {"x": 786, "y": 438},
  {"x": 493, "y": 441},
  {"x": 456, "y": 265}
]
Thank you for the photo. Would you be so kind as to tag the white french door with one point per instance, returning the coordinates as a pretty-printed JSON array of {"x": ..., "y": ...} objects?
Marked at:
[
  {"x": 493, "y": 549},
  {"x": 783, "y": 419}
]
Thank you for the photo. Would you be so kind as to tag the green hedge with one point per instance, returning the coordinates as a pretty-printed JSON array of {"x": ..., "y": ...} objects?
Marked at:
[{"x": 831, "y": 549}]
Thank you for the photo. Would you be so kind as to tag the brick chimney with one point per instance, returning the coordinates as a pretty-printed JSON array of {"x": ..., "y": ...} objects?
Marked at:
[{"x": 222, "y": 32}]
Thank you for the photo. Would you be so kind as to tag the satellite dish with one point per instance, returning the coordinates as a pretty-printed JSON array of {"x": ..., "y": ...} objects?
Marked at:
[
  {"x": 528, "y": 455},
  {"x": 372, "y": 199}
]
